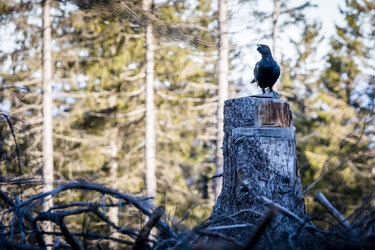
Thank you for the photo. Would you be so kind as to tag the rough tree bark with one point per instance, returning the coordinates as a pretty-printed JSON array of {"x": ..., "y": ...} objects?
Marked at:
[
  {"x": 47, "y": 113},
  {"x": 259, "y": 160},
  {"x": 150, "y": 110},
  {"x": 223, "y": 90}
]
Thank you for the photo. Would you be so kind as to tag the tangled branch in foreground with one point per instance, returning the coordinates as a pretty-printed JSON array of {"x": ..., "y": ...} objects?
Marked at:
[{"x": 20, "y": 224}]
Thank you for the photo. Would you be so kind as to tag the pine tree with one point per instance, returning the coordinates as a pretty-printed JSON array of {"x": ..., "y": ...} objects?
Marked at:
[
  {"x": 19, "y": 96},
  {"x": 332, "y": 135},
  {"x": 346, "y": 66},
  {"x": 110, "y": 97},
  {"x": 303, "y": 92}
]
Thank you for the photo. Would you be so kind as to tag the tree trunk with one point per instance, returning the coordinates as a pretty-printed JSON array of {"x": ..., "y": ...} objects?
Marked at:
[
  {"x": 275, "y": 19},
  {"x": 150, "y": 110},
  {"x": 223, "y": 90},
  {"x": 113, "y": 151},
  {"x": 259, "y": 161},
  {"x": 47, "y": 113}
]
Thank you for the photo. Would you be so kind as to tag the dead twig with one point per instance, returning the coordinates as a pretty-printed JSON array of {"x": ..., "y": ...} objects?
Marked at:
[
  {"x": 56, "y": 244},
  {"x": 5, "y": 244},
  {"x": 216, "y": 176},
  {"x": 229, "y": 227},
  {"x": 261, "y": 228},
  {"x": 281, "y": 209},
  {"x": 322, "y": 200},
  {"x": 142, "y": 238},
  {"x": 58, "y": 219},
  {"x": 161, "y": 225},
  {"x": 222, "y": 236},
  {"x": 187, "y": 213},
  {"x": 28, "y": 217},
  {"x": 15, "y": 142}
]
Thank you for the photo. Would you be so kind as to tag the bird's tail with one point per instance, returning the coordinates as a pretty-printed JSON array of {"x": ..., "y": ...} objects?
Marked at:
[{"x": 253, "y": 80}]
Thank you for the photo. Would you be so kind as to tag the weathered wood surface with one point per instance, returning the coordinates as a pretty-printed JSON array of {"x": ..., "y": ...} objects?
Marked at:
[
  {"x": 259, "y": 160},
  {"x": 256, "y": 112},
  {"x": 273, "y": 113}
]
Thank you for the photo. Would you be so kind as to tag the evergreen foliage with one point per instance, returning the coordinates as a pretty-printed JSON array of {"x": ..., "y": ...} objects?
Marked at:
[
  {"x": 99, "y": 100},
  {"x": 333, "y": 113}
]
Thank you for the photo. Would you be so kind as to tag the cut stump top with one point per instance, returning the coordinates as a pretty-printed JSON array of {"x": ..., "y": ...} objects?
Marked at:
[{"x": 253, "y": 111}]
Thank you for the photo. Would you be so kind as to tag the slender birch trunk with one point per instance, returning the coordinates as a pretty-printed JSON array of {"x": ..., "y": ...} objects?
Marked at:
[
  {"x": 223, "y": 89},
  {"x": 150, "y": 110},
  {"x": 275, "y": 19},
  {"x": 47, "y": 113},
  {"x": 114, "y": 150},
  {"x": 275, "y": 30}
]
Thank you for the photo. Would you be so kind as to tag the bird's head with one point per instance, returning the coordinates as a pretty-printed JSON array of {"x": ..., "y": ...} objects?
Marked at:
[{"x": 264, "y": 49}]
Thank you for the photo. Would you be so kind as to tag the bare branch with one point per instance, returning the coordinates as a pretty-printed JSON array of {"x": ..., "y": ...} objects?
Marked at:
[
  {"x": 280, "y": 208},
  {"x": 143, "y": 234},
  {"x": 322, "y": 200},
  {"x": 261, "y": 229}
]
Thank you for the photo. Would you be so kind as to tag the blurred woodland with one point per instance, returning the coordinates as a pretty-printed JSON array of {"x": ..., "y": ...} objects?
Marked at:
[{"x": 110, "y": 127}]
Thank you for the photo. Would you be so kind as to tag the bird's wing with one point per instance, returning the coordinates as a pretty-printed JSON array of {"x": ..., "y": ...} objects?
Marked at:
[
  {"x": 256, "y": 70},
  {"x": 277, "y": 71}
]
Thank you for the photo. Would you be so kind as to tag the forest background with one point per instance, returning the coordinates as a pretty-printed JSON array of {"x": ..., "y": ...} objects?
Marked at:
[{"x": 100, "y": 64}]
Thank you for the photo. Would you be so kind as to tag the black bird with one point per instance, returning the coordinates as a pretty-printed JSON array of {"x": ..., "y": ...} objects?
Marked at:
[{"x": 267, "y": 70}]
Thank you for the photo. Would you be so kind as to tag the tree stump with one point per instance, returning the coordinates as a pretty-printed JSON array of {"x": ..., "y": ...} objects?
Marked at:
[{"x": 259, "y": 160}]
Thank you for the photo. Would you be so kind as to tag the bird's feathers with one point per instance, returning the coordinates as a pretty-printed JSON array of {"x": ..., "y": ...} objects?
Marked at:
[
  {"x": 266, "y": 71},
  {"x": 255, "y": 73}
]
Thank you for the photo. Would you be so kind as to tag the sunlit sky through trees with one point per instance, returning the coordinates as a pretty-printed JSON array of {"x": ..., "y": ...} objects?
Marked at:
[{"x": 327, "y": 12}]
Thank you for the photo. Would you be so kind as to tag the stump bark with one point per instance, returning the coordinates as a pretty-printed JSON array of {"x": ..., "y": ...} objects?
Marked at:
[{"x": 259, "y": 160}]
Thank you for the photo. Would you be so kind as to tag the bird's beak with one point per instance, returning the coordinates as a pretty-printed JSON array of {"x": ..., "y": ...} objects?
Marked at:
[{"x": 259, "y": 46}]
